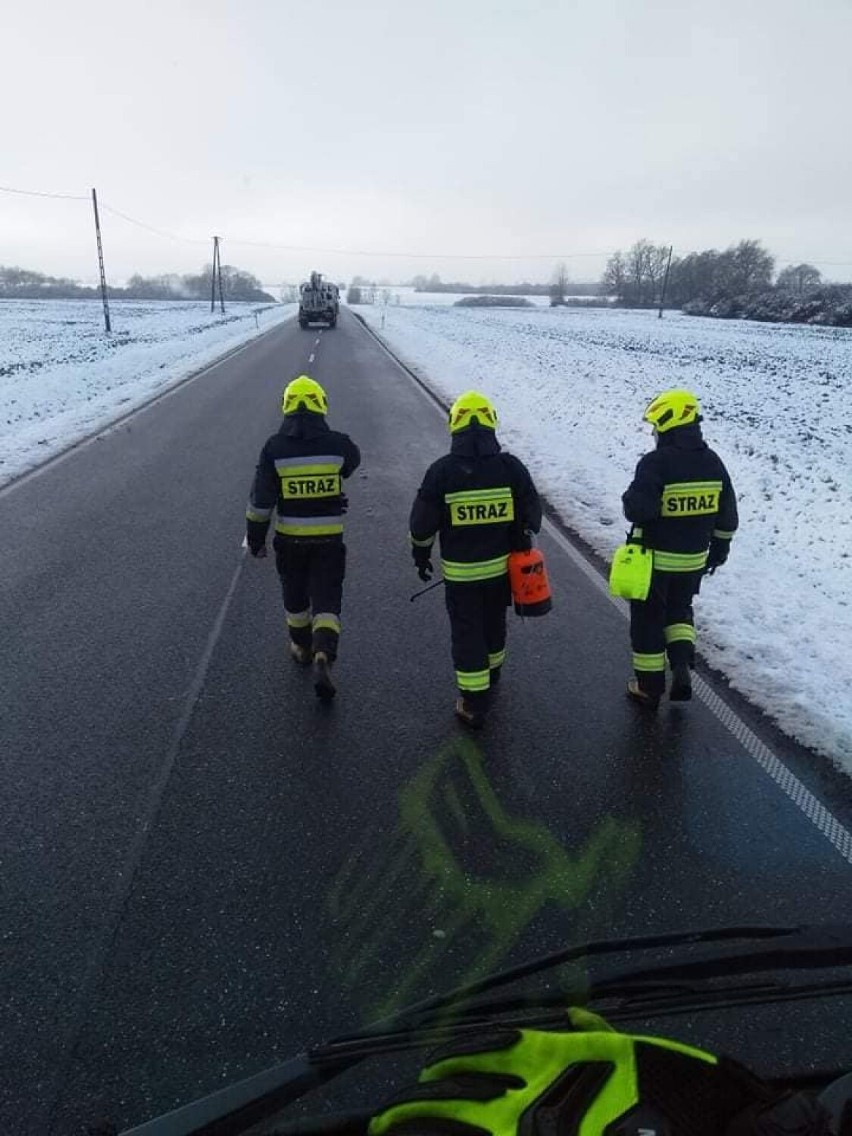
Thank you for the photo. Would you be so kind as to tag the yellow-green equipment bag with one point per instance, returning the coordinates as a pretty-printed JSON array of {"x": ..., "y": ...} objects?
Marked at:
[{"x": 630, "y": 574}]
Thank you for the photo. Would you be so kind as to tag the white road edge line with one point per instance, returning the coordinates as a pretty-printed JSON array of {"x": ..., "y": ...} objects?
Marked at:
[
  {"x": 831, "y": 828},
  {"x": 127, "y": 875},
  {"x": 823, "y": 820}
]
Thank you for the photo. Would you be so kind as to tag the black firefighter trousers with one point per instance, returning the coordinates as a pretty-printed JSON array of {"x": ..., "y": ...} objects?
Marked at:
[
  {"x": 662, "y": 626},
  {"x": 478, "y": 628},
  {"x": 312, "y": 573}
]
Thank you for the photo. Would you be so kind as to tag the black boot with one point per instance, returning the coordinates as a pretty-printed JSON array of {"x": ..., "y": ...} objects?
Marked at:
[
  {"x": 642, "y": 697},
  {"x": 470, "y": 713},
  {"x": 681, "y": 688},
  {"x": 324, "y": 687}
]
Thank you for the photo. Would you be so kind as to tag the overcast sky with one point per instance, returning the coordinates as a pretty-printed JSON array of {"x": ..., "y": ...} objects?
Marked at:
[{"x": 535, "y": 129}]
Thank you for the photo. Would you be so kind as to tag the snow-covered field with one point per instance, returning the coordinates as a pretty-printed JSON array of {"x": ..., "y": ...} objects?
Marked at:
[
  {"x": 407, "y": 297},
  {"x": 570, "y": 388},
  {"x": 61, "y": 377}
]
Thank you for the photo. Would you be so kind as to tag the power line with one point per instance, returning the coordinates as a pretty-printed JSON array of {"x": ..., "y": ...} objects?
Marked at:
[
  {"x": 39, "y": 193},
  {"x": 416, "y": 255},
  {"x": 322, "y": 251},
  {"x": 151, "y": 228},
  {"x": 347, "y": 252}
]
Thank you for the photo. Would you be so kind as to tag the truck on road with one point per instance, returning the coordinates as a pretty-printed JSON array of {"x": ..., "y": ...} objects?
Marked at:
[{"x": 319, "y": 302}]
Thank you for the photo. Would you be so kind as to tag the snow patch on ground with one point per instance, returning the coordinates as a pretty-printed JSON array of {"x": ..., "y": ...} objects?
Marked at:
[
  {"x": 570, "y": 387},
  {"x": 62, "y": 377},
  {"x": 393, "y": 296}
]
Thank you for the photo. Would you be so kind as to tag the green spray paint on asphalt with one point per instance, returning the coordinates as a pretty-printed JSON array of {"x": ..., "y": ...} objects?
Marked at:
[{"x": 468, "y": 879}]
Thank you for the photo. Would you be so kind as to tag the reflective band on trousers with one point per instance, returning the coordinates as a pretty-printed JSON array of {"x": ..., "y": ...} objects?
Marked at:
[
  {"x": 309, "y": 526},
  {"x": 326, "y": 621},
  {"x": 298, "y": 619},
  {"x": 473, "y": 680},
  {"x": 459, "y": 573},
  {"x": 649, "y": 662},
  {"x": 496, "y": 658},
  {"x": 679, "y": 561},
  {"x": 680, "y": 633}
]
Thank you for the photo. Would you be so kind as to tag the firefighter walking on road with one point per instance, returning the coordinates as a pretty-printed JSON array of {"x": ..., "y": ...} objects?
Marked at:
[
  {"x": 300, "y": 472},
  {"x": 683, "y": 507},
  {"x": 482, "y": 504}
]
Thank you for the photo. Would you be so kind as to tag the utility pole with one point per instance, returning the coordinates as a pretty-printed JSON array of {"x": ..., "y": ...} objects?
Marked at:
[
  {"x": 665, "y": 282},
  {"x": 221, "y": 293},
  {"x": 104, "y": 294},
  {"x": 213, "y": 274},
  {"x": 216, "y": 277}
]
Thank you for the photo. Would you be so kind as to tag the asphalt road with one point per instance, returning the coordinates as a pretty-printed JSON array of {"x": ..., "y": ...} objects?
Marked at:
[{"x": 203, "y": 870}]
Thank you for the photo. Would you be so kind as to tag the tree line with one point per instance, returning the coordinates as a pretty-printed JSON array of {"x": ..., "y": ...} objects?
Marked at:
[
  {"x": 736, "y": 283},
  {"x": 238, "y": 285}
]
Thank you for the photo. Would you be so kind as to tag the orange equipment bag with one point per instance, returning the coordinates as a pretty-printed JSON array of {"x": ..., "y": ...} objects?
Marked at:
[{"x": 530, "y": 586}]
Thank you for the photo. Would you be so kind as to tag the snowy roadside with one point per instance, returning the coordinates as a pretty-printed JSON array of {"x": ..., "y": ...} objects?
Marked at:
[
  {"x": 408, "y": 297},
  {"x": 61, "y": 377},
  {"x": 570, "y": 387}
]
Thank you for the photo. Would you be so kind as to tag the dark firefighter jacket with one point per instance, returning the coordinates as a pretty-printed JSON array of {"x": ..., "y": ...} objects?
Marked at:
[
  {"x": 479, "y": 500},
  {"x": 300, "y": 471},
  {"x": 681, "y": 498}
]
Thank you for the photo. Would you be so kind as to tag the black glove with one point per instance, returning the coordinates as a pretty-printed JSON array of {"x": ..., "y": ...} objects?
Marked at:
[
  {"x": 423, "y": 562},
  {"x": 717, "y": 555},
  {"x": 522, "y": 540},
  {"x": 256, "y": 533},
  {"x": 587, "y": 1079},
  {"x": 794, "y": 1115}
]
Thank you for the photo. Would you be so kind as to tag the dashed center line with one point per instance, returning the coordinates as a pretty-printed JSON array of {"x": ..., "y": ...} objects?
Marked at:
[{"x": 311, "y": 357}]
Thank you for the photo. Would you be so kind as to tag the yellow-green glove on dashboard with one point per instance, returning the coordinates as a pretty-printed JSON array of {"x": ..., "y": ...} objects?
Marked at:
[{"x": 591, "y": 1081}]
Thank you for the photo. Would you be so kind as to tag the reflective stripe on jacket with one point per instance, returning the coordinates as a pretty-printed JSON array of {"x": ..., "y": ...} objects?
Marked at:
[
  {"x": 478, "y": 500},
  {"x": 299, "y": 479},
  {"x": 680, "y": 499}
]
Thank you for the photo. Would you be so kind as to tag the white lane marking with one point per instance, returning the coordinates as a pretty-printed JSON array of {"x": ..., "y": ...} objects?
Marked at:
[
  {"x": 117, "y": 902},
  {"x": 311, "y": 358},
  {"x": 823, "y": 820},
  {"x": 191, "y": 699},
  {"x": 316, "y": 342},
  {"x": 831, "y": 828},
  {"x": 106, "y": 428}
]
